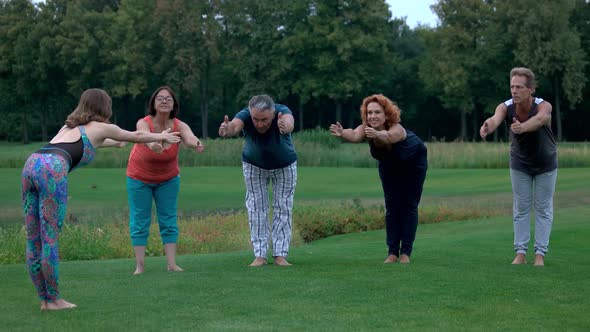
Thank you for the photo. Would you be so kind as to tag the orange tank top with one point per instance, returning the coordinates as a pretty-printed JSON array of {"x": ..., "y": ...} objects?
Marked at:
[{"x": 148, "y": 166}]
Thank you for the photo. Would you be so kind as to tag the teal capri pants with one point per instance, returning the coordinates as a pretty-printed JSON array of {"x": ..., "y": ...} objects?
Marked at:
[{"x": 165, "y": 195}]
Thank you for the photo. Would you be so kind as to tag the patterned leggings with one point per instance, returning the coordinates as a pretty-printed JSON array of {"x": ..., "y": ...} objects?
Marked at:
[{"x": 44, "y": 196}]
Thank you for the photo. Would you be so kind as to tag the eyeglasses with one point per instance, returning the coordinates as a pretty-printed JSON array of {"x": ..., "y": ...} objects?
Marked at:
[{"x": 164, "y": 99}]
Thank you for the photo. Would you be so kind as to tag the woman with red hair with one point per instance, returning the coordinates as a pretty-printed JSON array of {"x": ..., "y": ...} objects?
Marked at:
[{"x": 402, "y": 161}]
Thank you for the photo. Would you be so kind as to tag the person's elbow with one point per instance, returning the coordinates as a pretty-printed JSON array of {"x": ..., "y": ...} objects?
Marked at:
[
  {"x": 546, "y": 119},
  {"x": 398, "y": 135}
]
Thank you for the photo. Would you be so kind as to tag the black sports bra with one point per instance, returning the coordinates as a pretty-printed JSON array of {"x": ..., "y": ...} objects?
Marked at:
[{"x": 72, "y": 152}]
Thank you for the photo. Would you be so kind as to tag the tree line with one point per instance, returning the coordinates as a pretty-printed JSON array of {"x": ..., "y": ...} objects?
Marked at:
[{"x": 319, "y": 57}]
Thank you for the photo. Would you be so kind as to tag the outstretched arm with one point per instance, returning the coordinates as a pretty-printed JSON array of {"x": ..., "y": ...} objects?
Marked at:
[
  {"x": 105, "y": 131},
  {"x": 111, "y": 143},
  {"x": 143, "y": 125},
  {"x": 542, "y": 118},
  {"x": 230, "y": 128},
  {"x": 189, "y": 139},
  {"x": 352, "y": 135},
  {"x": 391, "y": 136},
  {"x": 491, "y": 124}
]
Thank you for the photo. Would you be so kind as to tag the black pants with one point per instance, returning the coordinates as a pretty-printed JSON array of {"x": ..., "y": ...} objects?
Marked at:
[{"x": 402, "y": 187}]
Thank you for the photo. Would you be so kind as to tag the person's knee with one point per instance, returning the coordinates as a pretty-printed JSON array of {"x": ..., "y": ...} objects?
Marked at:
[
  {"x": 140, "y": 230},
  {"x": 139, "y": 241},
  {"x": 522, "y": 206},
  {"x": 168, "y": 228},
  {"x": 169, "y": 239}
]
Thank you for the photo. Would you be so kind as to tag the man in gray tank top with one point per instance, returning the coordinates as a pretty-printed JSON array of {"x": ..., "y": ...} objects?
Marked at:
[{"x": 533, "y": 162}]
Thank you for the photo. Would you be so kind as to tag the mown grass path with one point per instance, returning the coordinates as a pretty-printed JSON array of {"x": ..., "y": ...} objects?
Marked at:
[{"x": 460, "y": 279}]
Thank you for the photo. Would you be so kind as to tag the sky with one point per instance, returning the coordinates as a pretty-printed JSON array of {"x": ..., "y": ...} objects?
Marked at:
[{"x": 414, "y": 10}]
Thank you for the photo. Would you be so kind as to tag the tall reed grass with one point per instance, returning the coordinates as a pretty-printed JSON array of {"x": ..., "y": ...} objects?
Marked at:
[
  {"x": 317, "y": 148},
  {"x": 218, "y": 233}
]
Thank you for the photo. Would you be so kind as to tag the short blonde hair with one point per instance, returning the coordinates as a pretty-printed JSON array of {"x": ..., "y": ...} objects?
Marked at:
[{"x": 526, "y": 73}]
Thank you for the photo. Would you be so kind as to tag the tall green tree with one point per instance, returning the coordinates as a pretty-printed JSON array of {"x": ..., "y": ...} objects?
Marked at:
[
  {"x": 130, "y": 45},
  {"x": 211, "y": 29},
  {"x": 348, "y": 43},
  {"x": 452, "y": 68},
  {"x": 188, "y": 35},
  {"x": 48, "y": 74},
  {"x": 547, "y": 42},
  {"x": 400, "y": 80},
  {"x": 298, "y": 64},
  {"x": 82, "y": 51},
  {"x": 253, "y": 31},
  {"x": 18, "y": 51}
]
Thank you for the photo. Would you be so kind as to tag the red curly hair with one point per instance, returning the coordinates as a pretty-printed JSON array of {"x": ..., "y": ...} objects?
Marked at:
[{"x": 391, "y": 110}]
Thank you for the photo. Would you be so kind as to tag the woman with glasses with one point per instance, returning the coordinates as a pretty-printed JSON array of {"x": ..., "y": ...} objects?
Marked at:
[
  {"x": 45, "y": 185},
  {"x": 153, "y": 174}
]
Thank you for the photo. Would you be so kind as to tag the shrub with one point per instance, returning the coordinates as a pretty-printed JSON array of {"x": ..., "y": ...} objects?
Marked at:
[{"x": 219, "y": 232}]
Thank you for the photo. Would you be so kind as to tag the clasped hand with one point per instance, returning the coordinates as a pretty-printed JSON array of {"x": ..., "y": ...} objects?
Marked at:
[
  {"x": 370, "y": 132},
  {"x": 282, "y": 123},
  {"x": 517, "y": 127}
]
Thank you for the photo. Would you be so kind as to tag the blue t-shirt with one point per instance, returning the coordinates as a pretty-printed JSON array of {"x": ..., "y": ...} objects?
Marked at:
[{"x": 270, "y": 150}]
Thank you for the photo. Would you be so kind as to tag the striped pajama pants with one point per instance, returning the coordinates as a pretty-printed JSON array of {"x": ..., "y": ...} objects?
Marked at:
[{"x": 257, "y": 203}]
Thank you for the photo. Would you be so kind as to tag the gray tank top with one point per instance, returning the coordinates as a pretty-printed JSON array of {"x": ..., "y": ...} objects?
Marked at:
[{"x": 533, "y": 152}]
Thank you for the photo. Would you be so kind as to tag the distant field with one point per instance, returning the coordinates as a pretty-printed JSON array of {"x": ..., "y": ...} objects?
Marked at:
[
  {"x": 101, "y": 192},
  {"x": 319, "y": 149}
]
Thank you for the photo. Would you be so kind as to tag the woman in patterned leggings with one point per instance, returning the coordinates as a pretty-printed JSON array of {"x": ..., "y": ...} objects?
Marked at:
[{"x": 45, "y": 185}]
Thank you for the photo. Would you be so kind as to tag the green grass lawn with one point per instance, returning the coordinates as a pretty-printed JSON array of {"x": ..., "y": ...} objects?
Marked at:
[
  {"x": 99, "y": 193},
  {"x": 460, "y": 279}
]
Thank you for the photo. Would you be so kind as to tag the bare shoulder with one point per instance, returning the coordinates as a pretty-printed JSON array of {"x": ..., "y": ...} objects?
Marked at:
[
  {"x": 546, "y": 105},
  {"x": 102, "y": 130},
  {"x": 142, "y": 124},
  {"x": 501, "y": 106},
  {"x": 94, "y": 126},
  {"x": 501, "y": 111}
]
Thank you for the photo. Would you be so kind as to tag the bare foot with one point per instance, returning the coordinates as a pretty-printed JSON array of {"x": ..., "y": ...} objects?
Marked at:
[
  {"x": 281, "y": 261},
  {"x": 259, "y": 261},
  {"x": 138, "y": 270},
  {"x": 404, "y": 259},
  {"x": 539, "y": 260},
  {"x": 390, "y": 259},
  {"x": 519, "y": 259},
  {"x": 175, "y": 268},
  {"x": 60, "y": 305},
  {"x": 43, "y": 305}
]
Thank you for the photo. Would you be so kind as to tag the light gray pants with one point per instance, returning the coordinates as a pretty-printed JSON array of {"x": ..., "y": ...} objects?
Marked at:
[
  {"x": 527, "y": 188},
  {"x": 257, "y": 203}
]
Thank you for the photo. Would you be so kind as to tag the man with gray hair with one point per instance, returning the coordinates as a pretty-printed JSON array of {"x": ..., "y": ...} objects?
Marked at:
[
  {"x": 268, "y": 156},
  {"x": 533, "y": 162}
]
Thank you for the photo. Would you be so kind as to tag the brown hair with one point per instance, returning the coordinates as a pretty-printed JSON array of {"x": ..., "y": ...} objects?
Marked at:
[
  {"x": 391, "y": 110},
  {"x": 526, "y": 73},
  {"x": 94, "y": 105},
  {"x": 151, "y": 110}
]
